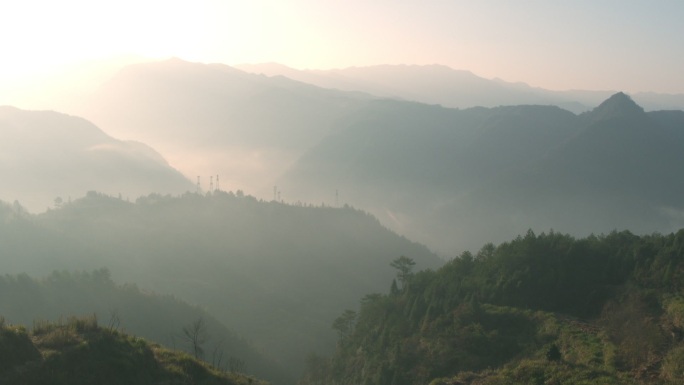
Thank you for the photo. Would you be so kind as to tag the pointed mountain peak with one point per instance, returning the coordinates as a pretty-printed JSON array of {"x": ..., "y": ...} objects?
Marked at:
[{"x": 618, "y": 105}]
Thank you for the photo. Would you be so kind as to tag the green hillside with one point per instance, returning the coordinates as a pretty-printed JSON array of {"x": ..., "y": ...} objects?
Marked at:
[
  {"x": 541, "y": 309},
  {"x": 79, "y": 351}
]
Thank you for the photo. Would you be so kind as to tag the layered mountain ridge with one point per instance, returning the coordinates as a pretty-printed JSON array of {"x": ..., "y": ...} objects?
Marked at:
[{"x": 424, "y": 170}]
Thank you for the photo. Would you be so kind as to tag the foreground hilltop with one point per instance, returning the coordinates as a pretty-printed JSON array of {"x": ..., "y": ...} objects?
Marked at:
[
  {"x": 154, "y": 317},
  {"x": 79, "y": 351}
]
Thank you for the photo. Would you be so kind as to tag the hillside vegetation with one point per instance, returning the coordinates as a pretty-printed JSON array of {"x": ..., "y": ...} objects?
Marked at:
[
  {"x": 79, "y": 351},
  {"x": 541, "y": 309},
  {"x": 157, "y": 318}
]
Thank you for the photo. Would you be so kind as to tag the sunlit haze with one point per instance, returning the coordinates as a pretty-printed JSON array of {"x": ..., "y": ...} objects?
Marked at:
[
  {"x": 306, "y": 192},
  {"x": 606, "y": 45}
]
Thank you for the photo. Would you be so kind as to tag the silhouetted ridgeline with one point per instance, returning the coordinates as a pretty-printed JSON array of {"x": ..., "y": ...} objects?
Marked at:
[{"x": 541, "y": 309}]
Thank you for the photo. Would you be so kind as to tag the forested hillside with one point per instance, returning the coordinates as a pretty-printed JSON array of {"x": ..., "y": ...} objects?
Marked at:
[
  {"x": 162, "y": 319},
  {"x": 79, "y": 351},
  {"x": 277, "y": 274},
  {"x": 540, "y": 309}
]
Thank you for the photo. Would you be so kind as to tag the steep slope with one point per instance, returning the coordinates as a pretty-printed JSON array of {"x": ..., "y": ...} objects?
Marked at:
[
  {"x": 158, "y": 318},
  {"x": 276, "y": 273},
  {"x": 81, "y": 352},
  {"x": 215, "y": 119},
  {"x": 47, "y": 155}
]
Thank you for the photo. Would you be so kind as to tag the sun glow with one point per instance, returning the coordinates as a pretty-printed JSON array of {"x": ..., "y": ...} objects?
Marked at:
[
  {"x": 48, "y": 45},
  {"x": 40, "y": 37}
]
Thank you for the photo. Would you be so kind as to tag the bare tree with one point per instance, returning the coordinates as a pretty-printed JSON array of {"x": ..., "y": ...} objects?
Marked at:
[
  {"x": 114, "y": 320},
  {"x": 196, "y": 334}
]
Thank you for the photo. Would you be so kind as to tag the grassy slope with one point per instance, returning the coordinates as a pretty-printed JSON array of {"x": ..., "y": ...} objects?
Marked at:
[{"x": 80, "y": 352}]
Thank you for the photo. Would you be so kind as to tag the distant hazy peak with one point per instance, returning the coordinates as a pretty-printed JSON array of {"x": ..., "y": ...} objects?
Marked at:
[{"x": 616, "y": 106}]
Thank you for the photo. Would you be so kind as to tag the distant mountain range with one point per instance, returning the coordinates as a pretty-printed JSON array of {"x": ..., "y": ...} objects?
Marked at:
[
  {"x": 48, "y": 157},
  {"x": 209, "y": 119},
  {"x": 438, "y": 84},
  {"x": 452, "y": 178}
]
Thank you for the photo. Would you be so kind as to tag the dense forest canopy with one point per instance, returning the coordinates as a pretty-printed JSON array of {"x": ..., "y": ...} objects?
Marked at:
[{"x": 545, "y": 308}]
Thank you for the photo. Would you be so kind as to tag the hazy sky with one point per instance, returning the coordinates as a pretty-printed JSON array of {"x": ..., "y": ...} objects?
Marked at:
[{"x": 598, "y": 44}]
